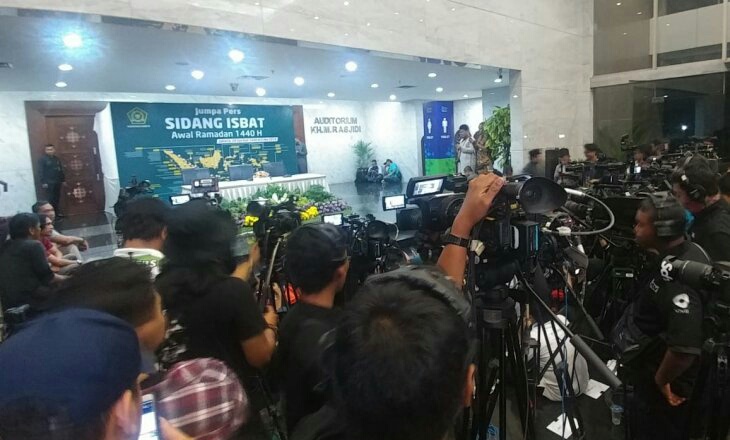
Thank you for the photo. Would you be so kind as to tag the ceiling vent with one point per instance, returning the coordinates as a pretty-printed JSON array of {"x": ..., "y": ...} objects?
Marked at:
[
  {"x": 405, "y": 87},
  {"x": 5, "y": 65},
  {"x": 253, "y": 77}
]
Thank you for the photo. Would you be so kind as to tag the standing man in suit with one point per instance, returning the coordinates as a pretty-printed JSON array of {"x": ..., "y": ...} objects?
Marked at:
[{"x": 52, "y": 177}]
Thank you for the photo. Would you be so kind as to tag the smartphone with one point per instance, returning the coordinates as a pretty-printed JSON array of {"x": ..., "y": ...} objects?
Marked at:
[
  {"x": 394, "y": 202},
  {"x": 333, "y": 219},
  {"x": 149, "y": 428}
]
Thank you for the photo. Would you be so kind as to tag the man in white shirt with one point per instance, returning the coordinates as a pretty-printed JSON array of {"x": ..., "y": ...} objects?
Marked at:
[
  {"x": 550, "y": 337},
  {"x": 144, "y": 228}
]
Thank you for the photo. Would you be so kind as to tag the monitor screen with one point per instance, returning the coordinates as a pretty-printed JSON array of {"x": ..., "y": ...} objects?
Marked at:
[
  {"x": 394, "y": 202},
  {"x": 333, "y": 219},
  {"x": 427, "y": 187},
  {"x": 179, "y": 199}
]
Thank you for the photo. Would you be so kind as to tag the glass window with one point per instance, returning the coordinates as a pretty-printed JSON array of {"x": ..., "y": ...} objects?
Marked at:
[
  {"x": 622, "y": 39},
  {"x": 690, "y": 35},
  {"x": 671, "y": 109},
  {"x": 667, "y": 7}
]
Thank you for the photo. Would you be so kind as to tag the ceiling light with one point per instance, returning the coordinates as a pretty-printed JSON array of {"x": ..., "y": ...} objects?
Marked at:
[
  {"x": 667, "y": 24},
  {"x": 351, "y": 66},
  {"x": 498, "y": 79},
  {"x": 236, "y": 55},
  {"x": 439, "y": 89},
  {"x": 515, "y": 96},
  {"x": 65, "y": 67},
  {"x": 666, "y": 96},
  {"x": 618, "y": 3},
  {"x": 346, "y": 3},
  {"x": 316, "y": 17},
  {"x": 561, "y": 136},
  {"x": 374, "y": 85},
  {"x": 331, "y": 94},
  {"x": 525, "y": 136},
  {"x": 392, "y": 97},
  {"x": 684, "y": 127},
  {"x": 170, "y": 87},
  {"x": 61, "y": 84},
  {"x": 639, "y": 13},
  {"x": 453, "y": 9},
  {"x": 367, "y": 24},
  {"x": 197, "y": 74},
  {"x": 626, "y": 33},
  {"x": 72, "y": 40},
  {"x": 465, "y": 95},
  {"x": 432, "y": 75},
  {"x": 299, "y": 81},
  {"x": 396, "y": 13},
  {"x": 260, "y": 91},
  {"x": 257, "y": 3}
]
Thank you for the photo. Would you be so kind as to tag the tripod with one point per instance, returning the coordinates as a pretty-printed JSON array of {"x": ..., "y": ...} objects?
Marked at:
[{"x": 714, "y": 383}]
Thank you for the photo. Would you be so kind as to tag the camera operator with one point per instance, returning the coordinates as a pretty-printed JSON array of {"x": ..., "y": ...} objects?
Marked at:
[
  {"x": 660, "y": 336},
  {"x": 316, "y": 264},
  {"x": 211, "y": 313},
  {"x": 143, "y": 226},
  {"x": 695, "y": 186}
]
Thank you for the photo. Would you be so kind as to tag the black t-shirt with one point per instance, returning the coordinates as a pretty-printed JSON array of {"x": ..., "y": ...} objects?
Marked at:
[
  {"x": 23, "y": 269},
  {"x": 670, "y": 313},
  {"x": 711, "y": 230},
  {"x": 214, "y": 325},
  {"x": 298, "y": 360}
]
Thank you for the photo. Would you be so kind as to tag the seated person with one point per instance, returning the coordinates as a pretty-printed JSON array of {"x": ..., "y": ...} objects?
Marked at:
[
  {"x": 24, "y": 268},
  {"x": 374, "y": 174},
  {"x": 58, "y": 263},
  {"x": 120, "y": 287},
  {"x": 316, "y": 264},
  {"x": 392, "y": 172},
  {"x": 202, "y": 398},
  {"x": 68, "y": 244},
  {"x": 72, "y": 375},
  {"x": 143, "y": 227}
]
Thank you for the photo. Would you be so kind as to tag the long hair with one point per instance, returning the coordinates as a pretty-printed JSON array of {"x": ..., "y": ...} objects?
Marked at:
[{"x": 197, "y": 252}]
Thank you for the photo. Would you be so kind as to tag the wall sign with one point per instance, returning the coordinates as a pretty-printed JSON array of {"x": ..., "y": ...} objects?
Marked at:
[
  {"x": 437, "y": 142},
  {"x": 332, "y": 125},
  {"x": 157, "y": 141}
]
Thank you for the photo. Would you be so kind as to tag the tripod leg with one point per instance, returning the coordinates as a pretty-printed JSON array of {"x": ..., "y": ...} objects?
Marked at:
[
  {"x": 502, "y": 393},
  {"x": 517, "y": 363}
]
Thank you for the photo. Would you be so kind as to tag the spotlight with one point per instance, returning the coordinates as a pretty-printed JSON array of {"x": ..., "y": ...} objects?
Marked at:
[
  {"x": 684, "y": 127},
  {"x": 351, "y": 66},
  {"x": 392, "y": 97},
  {"x": 260, "y": 91},
  {"x": 236, "y": 55},
  {"x": 65, "y": 67},
  {"x": 331, "y": 94},
  {"x": 197, "y": 74},
  {"x": 73, "y": 40},
  {"x": 170, "y": 87},
  {"x": 439, "y": 89},
  {"x": 299, "y": 81},
  {"x": 61, "y": 84}
]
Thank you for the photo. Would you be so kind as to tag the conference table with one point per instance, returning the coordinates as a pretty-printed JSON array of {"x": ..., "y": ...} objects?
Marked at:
[{"x": 236, "y": 189}]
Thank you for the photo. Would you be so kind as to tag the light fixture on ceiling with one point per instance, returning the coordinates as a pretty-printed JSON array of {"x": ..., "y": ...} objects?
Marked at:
[
  {"x": 667, "y": 24},
  {"x": 498, "y": 79},
  {"x": 299, "y": 81},
  {"x": 367, "y": 24},
  {"x": 561, "y": 136},
  {"x": 684, "y": 127},
  {"x": 170, "y": 87},
  {"x": 515, "y": 96},
  {"x": 65, "y": 67},
  {"x": 236, "y": 55},
  {"x": 73, "y": 40},
  {"x": 465, "y": 95},
  {"x": 197, "y": 74},
  {"x": 331, "y": 94},
  {"x": 439, "y": 89},
  {"x": 618, "y": 3},
  {"x": 61, "y": 84},
  {"x": 392, "y": 97},
  {"x": 420, "y": 20},
  {"x": 525, "y": 136},
  {"x": 346, "y": 3},
  {"x": 432, "y": 75},
  {"x": 316, "y": 17},
  {"x": 351, "y": 66},
  {"x": 666, "y": 96},
  {"x": 260, "y": 91},
  {"x": 625, "y": 34},
  {"x": 396, "y": 13},
  {"x": 257, "y": 3},
  {"x": 639, "y": 13},
  {"x": 453, "y": 9},
  {"x": 374, "y": 85}
]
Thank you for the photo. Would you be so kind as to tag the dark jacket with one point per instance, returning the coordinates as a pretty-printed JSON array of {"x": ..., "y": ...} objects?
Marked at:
[{"x": 51, "y": 170}]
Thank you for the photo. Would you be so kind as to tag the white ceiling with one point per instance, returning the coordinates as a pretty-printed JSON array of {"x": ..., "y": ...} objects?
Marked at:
[{"x": 143, "y": 59}]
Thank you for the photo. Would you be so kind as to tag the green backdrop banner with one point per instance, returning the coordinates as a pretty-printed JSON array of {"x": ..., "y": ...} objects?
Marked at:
[{"x": 157, "y": 141}]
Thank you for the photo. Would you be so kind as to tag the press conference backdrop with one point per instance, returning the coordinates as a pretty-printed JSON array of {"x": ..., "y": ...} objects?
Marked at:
[
  {"x": 437, "y": 142},
  {"x": 157, "y": 141}
]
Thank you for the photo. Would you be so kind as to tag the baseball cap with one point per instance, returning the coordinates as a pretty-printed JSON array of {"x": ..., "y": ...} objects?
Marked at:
[
  {"x": 203, "y": 398},
  {"x": 81, "y": 360}
]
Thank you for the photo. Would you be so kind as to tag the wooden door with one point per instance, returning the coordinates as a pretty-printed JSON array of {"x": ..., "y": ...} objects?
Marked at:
[{"x": 77, "y": 147}]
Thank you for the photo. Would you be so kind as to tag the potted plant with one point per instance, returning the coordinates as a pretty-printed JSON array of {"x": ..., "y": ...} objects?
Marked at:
[
  {"x": 363, "y": 155},
  {"x": 496, "y": 132}
]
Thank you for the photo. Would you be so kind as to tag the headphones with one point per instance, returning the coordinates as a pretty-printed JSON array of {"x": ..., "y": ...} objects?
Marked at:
[
  {"x": 666, "y": 227},
  {"x": 695, "y": 192}
]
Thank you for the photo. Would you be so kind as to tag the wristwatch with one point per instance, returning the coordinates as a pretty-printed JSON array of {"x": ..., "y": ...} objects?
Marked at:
[{"x": 458, "y": 241}]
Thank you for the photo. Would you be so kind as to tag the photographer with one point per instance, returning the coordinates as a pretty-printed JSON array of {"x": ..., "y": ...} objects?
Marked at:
[
  {"x": 316, "y": 264},
  {"x": 211, "y": 313},
  {"x": 695, "y": 186},
  {"x": 143, "y": 227},
  {"x": 659, "y": 337}
]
